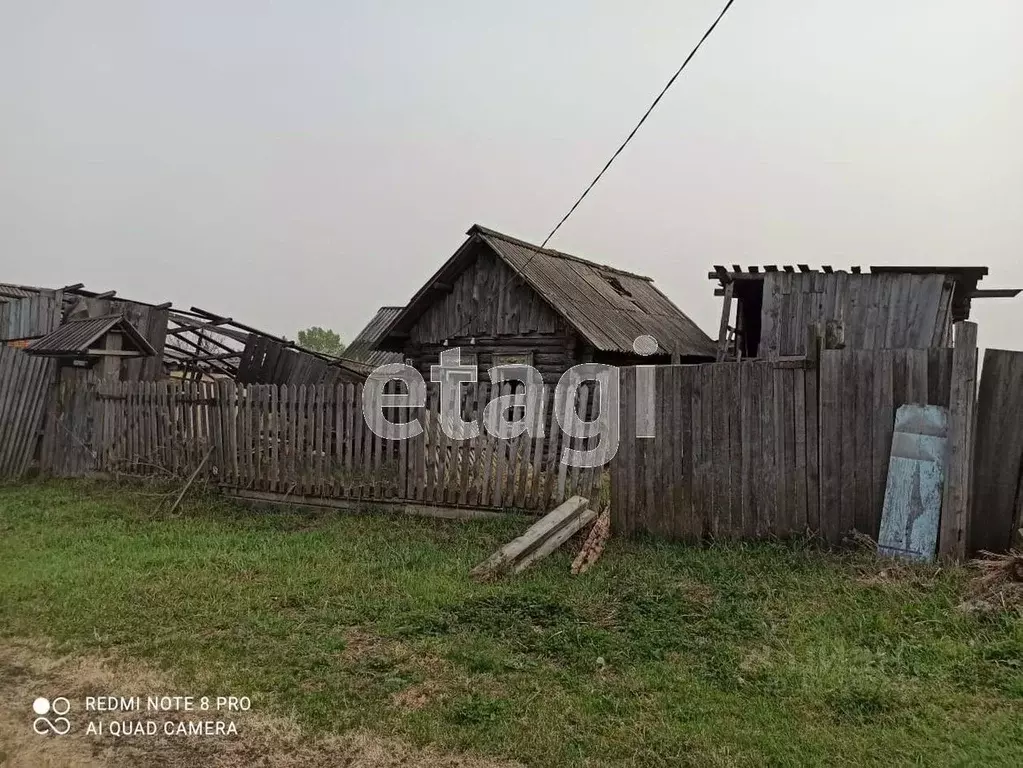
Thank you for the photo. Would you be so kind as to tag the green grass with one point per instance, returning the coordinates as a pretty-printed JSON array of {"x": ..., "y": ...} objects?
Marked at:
[{"x": 661, "y": 655}]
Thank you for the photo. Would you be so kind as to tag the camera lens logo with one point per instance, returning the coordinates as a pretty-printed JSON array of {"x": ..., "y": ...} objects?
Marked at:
[{"x": 59, "y": 725}]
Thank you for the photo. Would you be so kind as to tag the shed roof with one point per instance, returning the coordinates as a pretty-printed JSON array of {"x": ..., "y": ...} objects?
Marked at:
[
  {"x": 608, "y": 307},
  {"x": 76, "y": 337},
  {"x": 363, "y": 345}
]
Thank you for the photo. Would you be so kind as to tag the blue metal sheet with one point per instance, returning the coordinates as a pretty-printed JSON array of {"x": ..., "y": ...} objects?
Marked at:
[{"x": 916, "y": 479}]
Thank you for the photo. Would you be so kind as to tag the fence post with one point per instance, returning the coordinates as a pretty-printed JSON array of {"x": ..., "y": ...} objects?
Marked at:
[{"x": 955, "y": 507}]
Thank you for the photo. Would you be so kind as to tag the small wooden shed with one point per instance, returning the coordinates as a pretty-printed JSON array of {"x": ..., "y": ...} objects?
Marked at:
[
  {"x": 505, "y": 301},
  {"x": 767, "y": 310}
]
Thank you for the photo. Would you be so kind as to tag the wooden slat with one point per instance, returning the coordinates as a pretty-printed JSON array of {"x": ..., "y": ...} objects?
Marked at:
[
  {"x": 955, "y": 510},
  {"x": 999, "y": 452}
]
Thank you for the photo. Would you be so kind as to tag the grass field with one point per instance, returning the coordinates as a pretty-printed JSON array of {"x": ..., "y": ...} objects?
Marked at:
[{"x": 661, "y": 655}]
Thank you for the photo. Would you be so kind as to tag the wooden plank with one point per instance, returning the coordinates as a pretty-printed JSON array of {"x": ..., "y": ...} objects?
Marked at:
[
  {"x": 348, "y": 457},
  {"x": 866, "y": 513},
  {"x": 623, "y": 507},
  {"x": 726, "y": 309},
  {"x": 566, "y": 440},
  {"x": 735, "y": 445},
  {"x": 955, "y": 514},
  {"x": 830, "y": 421},
  {"x": 996, "y": 494},
  {"x": 882, "y": 424},
  {"x": 847, "y": 464},
  {"x": 556, "y": 540},
  {"x": 535, "y": 535},
  {"x": 682, "y": 389},
  {"x": 430, "y": 443},
  {"x": 811, "y": 383},
  {"x": 541, "y": 443},
  {"x": 783, "y": 451},
  {"x": 800, "y": 519},
  {"x": 696, "y": 458},
  {"x": 669, "y": 437}
]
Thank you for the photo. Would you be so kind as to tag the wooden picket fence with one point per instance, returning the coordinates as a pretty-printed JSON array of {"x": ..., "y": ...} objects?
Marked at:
[{"x": 312, "y": 441}]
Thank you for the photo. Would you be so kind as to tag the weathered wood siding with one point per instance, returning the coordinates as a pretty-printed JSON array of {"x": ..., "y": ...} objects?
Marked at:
[
  {"x": 860, "y": 391},
  {"x": 879, "y": 311},
  {"x": 999, "y": 452},
  {"x": 30, "y": 317},
  {"x": 266, "y": 361},
  {"x": 25, "y": 383},
  {"x": 486, "y": 299},
  {"x": 769, "y": 448},
  {"x": 734, "y": 452}
]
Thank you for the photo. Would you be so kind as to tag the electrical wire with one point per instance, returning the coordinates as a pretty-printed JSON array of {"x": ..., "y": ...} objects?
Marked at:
[{"x": 618, "y": 151}]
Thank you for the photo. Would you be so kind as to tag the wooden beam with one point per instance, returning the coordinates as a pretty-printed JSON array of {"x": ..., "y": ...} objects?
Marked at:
[
  {"x": 726, "y": 311},
  {"x": 788, "y": 268},
  {"x": 771, "y": 268},
  {"x": 533, "y": 538},
  {"x": 855, "y": 270},
  {"x": 955, "y": 507},
  {"x": 804, "y": 267},
  {"x": 827, "y": 269},
  {"x": 995, "y": 293},
  {"x": 393, "y": 507}
]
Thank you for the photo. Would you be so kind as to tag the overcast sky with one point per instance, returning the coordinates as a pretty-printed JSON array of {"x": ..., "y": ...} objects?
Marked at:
[{"x": 302, "y": 163}]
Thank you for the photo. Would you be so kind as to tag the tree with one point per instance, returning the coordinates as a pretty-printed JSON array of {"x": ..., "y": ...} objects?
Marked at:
[{"x": 321, "y": 340}]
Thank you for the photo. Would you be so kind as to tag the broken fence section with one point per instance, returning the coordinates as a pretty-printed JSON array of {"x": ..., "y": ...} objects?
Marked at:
[{"x": 310, "y": 441}]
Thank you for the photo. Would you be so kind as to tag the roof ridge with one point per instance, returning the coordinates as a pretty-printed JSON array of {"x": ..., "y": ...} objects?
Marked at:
[{"x": 479, "y": 229}]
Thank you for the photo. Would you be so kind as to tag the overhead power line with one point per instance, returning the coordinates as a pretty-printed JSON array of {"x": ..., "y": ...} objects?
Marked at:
[{"x": 624, "y": 144}]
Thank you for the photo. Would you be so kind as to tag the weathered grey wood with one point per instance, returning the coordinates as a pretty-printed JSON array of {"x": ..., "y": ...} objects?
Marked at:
[
  {"x": 683, "y": 388},
  {"x": 392, "y": 507},
  {"x": 999, "y": 452},
  {"x": 955, "y": 512},
  {"x": 556, "y": 540},
  {"x": 534, "y": 536},
  {"x": 883, "y": 421},
  {"x": 726, "y": 309}
]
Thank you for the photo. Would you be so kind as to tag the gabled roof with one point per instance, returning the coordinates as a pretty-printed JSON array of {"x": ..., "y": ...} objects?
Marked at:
[
  {"x": 608, "y": 307},
  {"x": 76, "y": 338},
  {"x": 362, "y": 347}
]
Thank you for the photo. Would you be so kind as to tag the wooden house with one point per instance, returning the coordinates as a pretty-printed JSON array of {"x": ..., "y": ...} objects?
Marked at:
[
  {"x": 767, "y": 311},
  {"x": 505, "y": 301}
]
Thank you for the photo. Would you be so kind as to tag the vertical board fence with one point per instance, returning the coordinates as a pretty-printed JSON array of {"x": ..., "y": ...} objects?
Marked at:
[
  {"x": 733, "y": 453},
  {"x": 313, "y": 441},
  {"x": 860, "y": 391},
  {"x": 769, "y": 448},
  {"x": 24, "y": 385},
  {"x": 998, "y": 462}
]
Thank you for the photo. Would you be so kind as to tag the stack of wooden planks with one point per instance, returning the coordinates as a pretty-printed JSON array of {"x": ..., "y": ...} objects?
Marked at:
[{"x": 542, "y": 538}]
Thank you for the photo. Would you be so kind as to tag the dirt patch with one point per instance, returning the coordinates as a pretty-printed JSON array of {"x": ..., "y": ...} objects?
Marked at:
[
  {"x": 31, "y": 669},
  {"x": 415, "y": 697}
]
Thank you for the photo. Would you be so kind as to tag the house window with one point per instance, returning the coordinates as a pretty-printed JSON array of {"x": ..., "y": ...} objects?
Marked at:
[{"x": 524, "y": 358}]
